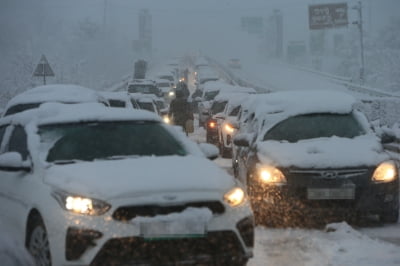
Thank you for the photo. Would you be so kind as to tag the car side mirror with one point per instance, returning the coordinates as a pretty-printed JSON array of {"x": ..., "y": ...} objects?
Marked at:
[
  {"x": 210, "y": 151},
  {"x": 241, "y": 140},
  {"x": 12, "y": 161}
]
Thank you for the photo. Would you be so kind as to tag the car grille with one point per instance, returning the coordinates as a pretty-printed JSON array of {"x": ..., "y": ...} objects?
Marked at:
[
  {"x": 217, "y": 248},
  {"x": 312, "y": 177},
  {"x": 126, "y": 213}
]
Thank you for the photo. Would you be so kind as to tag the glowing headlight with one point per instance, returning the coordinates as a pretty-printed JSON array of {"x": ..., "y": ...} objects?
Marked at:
[
  {"x": 171, "y": 94},
  {"x": 212, "y": 124},
  {"x": 234, "y": 197},
  {"x": 166, "y": 119},
  {"x": 385, "y": 172},
  {"x": 271, "y": 175},
  {"x": 81, "y": 205},
  {"x": 229, "y": 128}
]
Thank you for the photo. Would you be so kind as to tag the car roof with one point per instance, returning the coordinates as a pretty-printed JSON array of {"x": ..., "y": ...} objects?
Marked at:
[
  {"x": 142, "y": 82},
  {"x": 115, "y": 95},
  {"x": 58, "y": 113},
  {"x": 56, "y": 93}
]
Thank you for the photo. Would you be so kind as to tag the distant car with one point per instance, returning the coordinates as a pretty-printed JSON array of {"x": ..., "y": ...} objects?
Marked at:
[
  {"x": 145, "y": 86},
  {"x": 120, "y": 99},
  {"x": 68, "y": 94},
  {"x": 210, "y": 91},
  {"x": 312, "y": 151},
  {"x": 234, "y": 63},
  {"x": 167, "y": 89},
  {"x": 91, "y": 185}
]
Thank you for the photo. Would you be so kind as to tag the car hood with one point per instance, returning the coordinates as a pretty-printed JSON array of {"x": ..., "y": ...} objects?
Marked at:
[
  {"x": 332, "y": 152},
  {"x": 118, "y": 178}
]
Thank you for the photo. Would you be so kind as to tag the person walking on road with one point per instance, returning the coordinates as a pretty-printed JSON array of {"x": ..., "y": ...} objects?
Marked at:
[{"x": 180, "y": 110}]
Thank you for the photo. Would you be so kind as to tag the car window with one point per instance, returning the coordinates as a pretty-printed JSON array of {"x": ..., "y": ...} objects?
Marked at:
[
  {"x": 117, "y": 103},
  {"x": 312, "y": 126},
  {"x": 18, "y": 142},
  {"x": 20, "y": 108},
  {"x": 210, "y": 95},
  {"x": 147, "y": 106},
  {"x": 148, "y": 89},
  {"x": 2, "y": 132},
  {"x": 235, "y": 111},
  {"x": 107, "y": 140},
  {"x": 218, "y": 107}
]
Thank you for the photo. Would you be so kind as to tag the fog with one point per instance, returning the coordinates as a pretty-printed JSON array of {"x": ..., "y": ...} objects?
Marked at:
[{"x": 91, "y": 41}]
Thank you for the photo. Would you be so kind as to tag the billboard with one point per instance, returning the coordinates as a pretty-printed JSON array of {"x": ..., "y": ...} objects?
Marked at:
[{"x": 325, "y": 16}]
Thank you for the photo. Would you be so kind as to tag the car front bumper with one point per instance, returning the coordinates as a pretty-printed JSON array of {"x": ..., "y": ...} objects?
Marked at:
[{"x": 106, "y": 240}]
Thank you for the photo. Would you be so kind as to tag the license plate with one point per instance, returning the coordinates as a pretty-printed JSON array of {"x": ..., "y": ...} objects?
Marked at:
[
  {"x": 330, "y": 193},
  {"x": 172, "y": 229}
]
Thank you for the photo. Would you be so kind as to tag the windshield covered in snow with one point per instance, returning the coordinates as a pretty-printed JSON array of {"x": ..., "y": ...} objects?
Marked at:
[
  {"x": 107, "y": 140},
  {"x": 141, "y": 88},
  {"x": 313, "y": 126}
]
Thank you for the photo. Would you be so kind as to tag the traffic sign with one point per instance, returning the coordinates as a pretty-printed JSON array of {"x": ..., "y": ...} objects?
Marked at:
[
  {"x": 325, "y": 16},
  {"x": 43, "y": 69}
]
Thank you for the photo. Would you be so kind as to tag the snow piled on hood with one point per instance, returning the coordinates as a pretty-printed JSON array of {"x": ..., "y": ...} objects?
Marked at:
[
  {"x": 337, "y": 245},
  {"x": 56, "y": 93},
  {"x": 323, "y": 152}
]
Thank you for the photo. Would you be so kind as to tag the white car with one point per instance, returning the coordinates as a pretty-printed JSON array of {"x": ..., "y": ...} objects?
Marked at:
[
  {"x": 33, "y": 98},
  {"x": 120, "y": 99},
  {"x": 91, "y": 185}
]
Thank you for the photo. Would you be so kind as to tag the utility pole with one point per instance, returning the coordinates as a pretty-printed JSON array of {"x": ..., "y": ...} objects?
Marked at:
[{"x": 359, "y": 23}]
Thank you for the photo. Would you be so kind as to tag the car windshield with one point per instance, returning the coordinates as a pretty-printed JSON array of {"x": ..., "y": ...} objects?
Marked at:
[
  {"x": 107, "y": 140},
  {"x": 117, "y": 103},
  {"x": 146, "y": 106},
  {"x": 210, "y": 95},
  {"x": 313, "y": 126},
  {"x": 141, "y": 88},
  {"x": 218, "y": 107}
]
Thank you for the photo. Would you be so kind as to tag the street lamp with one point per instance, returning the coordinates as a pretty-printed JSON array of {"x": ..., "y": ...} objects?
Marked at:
[{"x": 359, "y": 23}]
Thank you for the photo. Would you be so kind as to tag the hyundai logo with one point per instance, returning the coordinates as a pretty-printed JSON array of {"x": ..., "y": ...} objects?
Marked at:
[{"x": 329, "y": 174}]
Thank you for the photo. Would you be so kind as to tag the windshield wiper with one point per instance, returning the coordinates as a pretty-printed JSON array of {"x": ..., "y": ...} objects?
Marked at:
[
  {"x": 67, "y": 161},
  {"x": 117, "y": 157}
]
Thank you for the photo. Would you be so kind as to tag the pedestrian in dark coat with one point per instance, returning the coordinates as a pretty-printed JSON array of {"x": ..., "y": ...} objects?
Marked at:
[{"x": 180, "y": 110}]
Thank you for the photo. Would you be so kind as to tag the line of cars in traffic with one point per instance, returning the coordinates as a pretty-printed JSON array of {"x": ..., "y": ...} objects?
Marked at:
[
  {"x": 304, "y": 154},
  {"x": 86, "y": 182}
]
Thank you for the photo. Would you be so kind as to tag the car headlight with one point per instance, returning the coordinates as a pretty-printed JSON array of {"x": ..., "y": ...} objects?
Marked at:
[
  {"x": 166, "y": 119},
  {"x": 234, "y": 197},
  {"x": 271, "y": 175},
  {"x": 229, "y": 128},
  {"x": 81, "y": 205},
  {"x": 385, "y": 172},
  {"x": 171, "y": 94}
]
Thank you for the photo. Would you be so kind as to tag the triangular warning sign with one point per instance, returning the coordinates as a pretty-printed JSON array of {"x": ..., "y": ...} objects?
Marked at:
[{"x": 43, "y": 68}]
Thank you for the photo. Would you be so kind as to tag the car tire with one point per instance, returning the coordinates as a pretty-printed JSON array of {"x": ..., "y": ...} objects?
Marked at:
[{"x": 37, "y": 242}]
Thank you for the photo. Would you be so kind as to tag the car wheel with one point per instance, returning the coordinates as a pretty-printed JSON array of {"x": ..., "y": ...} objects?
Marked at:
[{"x": 38, "y": 242}]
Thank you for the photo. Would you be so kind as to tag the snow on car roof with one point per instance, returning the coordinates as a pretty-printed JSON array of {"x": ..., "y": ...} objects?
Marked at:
[
  {"x": 232, "y": 97},
  {"x": 219, "y": 85},
  {"x": 115, "y": 95},
  {"x": 55, "y": 92},
  {"x": 52, "y": 113},
  {"x": 289, "y": 103}
]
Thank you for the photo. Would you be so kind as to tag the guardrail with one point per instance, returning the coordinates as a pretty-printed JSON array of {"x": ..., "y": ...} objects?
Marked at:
[{"x": 346, "y": 81}]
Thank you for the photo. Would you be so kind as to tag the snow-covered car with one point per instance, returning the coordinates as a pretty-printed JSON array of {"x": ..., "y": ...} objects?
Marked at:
[
  {"x": 91, "y": 185},
  {"x": 146, "y": 102},
  {"x": 33, "y": 98},
  {"x": 227, "y": 123},
  {"x": 315, "y": 152},
  {"x": 167, "y": 89},
  {"x": 145, "y": 86},
  {"x": 210, "y": 91},
  {"x": 120, "y": 99}
]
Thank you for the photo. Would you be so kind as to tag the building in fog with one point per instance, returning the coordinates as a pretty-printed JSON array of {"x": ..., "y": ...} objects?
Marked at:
[{"x": 143, "y": 45}]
